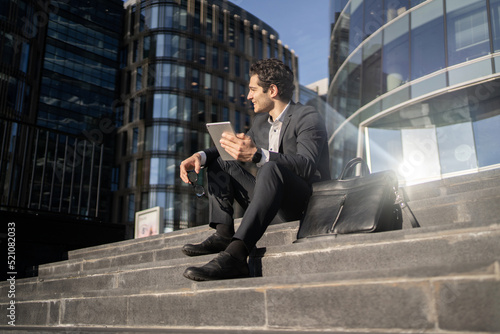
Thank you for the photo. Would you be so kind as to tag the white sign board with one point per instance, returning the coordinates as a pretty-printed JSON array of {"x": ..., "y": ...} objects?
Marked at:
[{"x": 148, "y": 222}]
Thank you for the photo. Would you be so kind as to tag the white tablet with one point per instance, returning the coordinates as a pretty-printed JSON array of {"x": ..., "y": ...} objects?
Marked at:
[{"x": 216, "y": 130}]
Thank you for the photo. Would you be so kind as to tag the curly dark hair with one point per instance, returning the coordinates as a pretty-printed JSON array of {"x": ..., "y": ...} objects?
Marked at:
[{"x": 274, "y": 71}]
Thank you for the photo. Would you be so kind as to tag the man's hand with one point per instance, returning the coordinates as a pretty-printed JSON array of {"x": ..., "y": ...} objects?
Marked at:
[
  {"x": 191, "y": 163},
  {"x": 240, "y": 147}
]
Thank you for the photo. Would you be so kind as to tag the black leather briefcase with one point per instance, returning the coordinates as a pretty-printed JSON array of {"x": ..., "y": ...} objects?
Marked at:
[{"x": 369, "y": 202}]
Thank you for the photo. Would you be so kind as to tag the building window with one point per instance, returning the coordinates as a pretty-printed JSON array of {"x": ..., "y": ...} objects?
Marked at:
[
  {"x": 167, "y": 75},
  {"x": 165, "y": 138},
  {"x": 373, "y": 17},
  {"x": 242, "y": 38},
  {"x": 209, "y": 23},
  {"x": 208, "y": 84},
  {"x": 187, "y": 109},
  {"x": 226, "y": 61},
  {"x": 138, "y": 79},
  {"x": 135, "y": 51},
  {"x": 495, "y": 24},
  {"x": 162, "y": 171},
  {"x": 356, "y": 24},
  {"x": 195, "y": 80},
  {"x": 372, "y": 69},
  {"x": 220, "y": 88},
  {"x": 231, "y": 33},
  {"x": 467, "y": 25},
  {"x": 220, "y": 36},
  {"x": 427, "y": 40},
  {"x": 456, "y": 147},
  {"x": 146, "y": 47},
  {"x": 135, "y": 140},
  {"x": 230, "y": 91},
  {"x": 396, "y": 54},
  {"x": 165, "y": 106},
  {"x": 189, "y": 49},
  {"x": 167, "y": 45},
  {"x": 202, "y": 53},
  {"x": 215, "y": 58},
  {"x": 250, "y": 48},
  {"x": 131, "y": 207},
  {"x": 395, "y": 8},
  {"x": 132, "y": 20},
  {"x": 201, "y": 111},
  {"x": 131, "y": 111}
]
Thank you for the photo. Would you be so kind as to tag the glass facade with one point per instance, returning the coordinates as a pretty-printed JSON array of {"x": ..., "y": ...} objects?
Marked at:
[
  {"x": 184, "y": 64},
  {"x": 80, "y": 66},
  {"x": 415, "y": 85},
  {"x": 59, "y": 65}
]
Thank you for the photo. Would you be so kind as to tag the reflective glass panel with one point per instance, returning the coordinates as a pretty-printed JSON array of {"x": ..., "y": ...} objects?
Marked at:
[
  {"x": 356, "y": 21},
  {"x": 428, "y": 85},
  {"x": 353, "y": 83},
  {"x": 394, "y": 8},
  {"x": 131, "y": 207},
  {"x": 372, "y": 69},
  {"x": 467, "y": 26},
  {"x": 386, "y": 151},
  {"x": 487, "y": 139},
  {"x": 417, "y": 2},
  {"x": 421, "y": 157},
  {"x": 427, "y": 39},
  {"x": 396, "y": 54},
  {"x": 135, "y": 140},
  {"x": 456, "y": 147},
  {"x": 187, "y": 108},
  {"x": 495, "y": 24},
  {"x": 373, "y": 16},
  {"x": 470, "y": 72}
]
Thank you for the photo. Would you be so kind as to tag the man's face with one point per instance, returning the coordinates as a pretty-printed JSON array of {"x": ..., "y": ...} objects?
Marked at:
[{"x": 262, "y": 102}]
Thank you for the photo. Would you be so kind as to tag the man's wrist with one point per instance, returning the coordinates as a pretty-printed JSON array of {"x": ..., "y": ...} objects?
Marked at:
[
  {"x": 257, "y": 156},
  {"x": 203, "y": 157}
]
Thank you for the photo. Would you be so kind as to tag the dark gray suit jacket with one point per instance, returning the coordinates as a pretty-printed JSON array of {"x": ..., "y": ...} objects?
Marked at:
[{"x": 303, "y": 142}]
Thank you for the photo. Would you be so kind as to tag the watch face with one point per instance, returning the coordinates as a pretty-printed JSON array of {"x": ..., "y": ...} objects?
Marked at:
[{"x": 257, "y": 156}]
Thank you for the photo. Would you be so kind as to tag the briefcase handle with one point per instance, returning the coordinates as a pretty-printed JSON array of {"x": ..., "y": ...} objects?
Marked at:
[{"x": 365, "y": 170}]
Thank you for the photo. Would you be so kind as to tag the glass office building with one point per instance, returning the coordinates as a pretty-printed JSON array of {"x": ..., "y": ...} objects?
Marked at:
[
  {"x": 183, "y": 64},
  {"x": 58, "y": 68},
  {"x": 417, "y": 86}
]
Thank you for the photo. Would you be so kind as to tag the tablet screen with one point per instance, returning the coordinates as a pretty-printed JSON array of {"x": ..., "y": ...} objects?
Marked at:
[{"x": 216, "y": 130}]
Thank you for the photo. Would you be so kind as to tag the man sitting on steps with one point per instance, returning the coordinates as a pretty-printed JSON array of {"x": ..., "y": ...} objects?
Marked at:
[{"x": 288, "y": 143}]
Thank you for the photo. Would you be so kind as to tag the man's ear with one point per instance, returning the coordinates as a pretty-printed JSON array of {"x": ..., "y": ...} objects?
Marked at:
[{"x": 273, "y": 90}]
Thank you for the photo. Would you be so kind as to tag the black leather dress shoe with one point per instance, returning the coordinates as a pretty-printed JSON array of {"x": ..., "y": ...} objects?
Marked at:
[
  {"x": 224, "y": 266},
  {"x": 214, "y": 244}
]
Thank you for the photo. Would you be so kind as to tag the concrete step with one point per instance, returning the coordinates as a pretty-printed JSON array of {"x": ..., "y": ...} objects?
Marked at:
[
  {"x": 449, "y": 251},
  {"x": 474, "y": 206},
  {"x": 471, "y": 197},
  {"x": 151, "y": 249},
  {"x": 418, "y": 301},
  {"x": 277, "y": 233},
  {"x": 450, "y": 200},
  {"x": 454, "y": 185},
  {"x": 442, "y": 278},
  {"x": 437, "y": 213},
  {"x": 458, "y": 207}
]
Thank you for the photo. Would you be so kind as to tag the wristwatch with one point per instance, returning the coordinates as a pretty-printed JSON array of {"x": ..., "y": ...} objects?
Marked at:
[{"x": 257, "y": 156}]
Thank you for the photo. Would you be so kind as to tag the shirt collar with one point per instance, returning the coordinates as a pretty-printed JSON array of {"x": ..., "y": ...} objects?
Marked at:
[{"x": 280, "y": 116}]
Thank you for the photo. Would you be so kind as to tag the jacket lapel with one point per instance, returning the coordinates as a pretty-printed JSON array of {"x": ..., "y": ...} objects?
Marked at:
[{"x": 286, "y": 122}]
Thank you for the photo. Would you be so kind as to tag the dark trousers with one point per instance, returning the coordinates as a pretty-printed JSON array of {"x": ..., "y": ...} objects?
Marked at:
[{"x": 275, "y": 190}]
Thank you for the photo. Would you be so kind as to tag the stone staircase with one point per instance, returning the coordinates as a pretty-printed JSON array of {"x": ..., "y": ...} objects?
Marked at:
[{"x": 441, "y": 278}]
